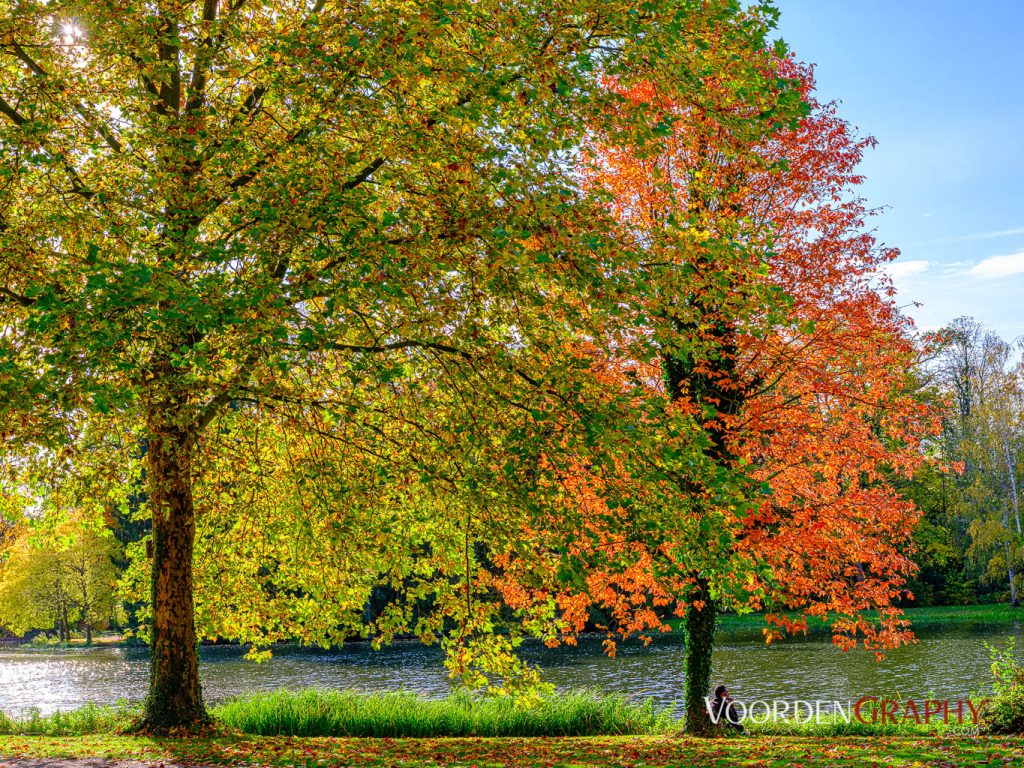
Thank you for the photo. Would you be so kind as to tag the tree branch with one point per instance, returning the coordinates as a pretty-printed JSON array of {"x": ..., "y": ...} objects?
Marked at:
[
  {"x": 396, "y": 345},
  {"x": 77, "y": 185},
  {"x": 147, "y": 82},
  {"x": 10, "y": 296},
  {"x": 91, "y": 120},
  {"x": 255, "y": 97},
  {"x": 169, "y": 89},
  {"x": 204, "y": 58},
  {"x": 11, "y": 113}
]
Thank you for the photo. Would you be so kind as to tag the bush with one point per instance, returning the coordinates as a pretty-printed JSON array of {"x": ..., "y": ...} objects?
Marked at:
[
  {"x": 317, "y": 712},
  {"x": 1005, "y": 712}
]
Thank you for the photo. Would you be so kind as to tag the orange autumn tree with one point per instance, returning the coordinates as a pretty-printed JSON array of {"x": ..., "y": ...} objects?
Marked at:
[
  {"x": 828, "y": 413},
  {"x": 776, "y": 330}
]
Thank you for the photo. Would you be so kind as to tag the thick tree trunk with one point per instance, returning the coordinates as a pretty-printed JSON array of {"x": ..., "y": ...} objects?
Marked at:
[
  {"x": 175, "y": 697},
  {"x": 88, "y": 633},
  {"x": 712, "y": 383},
  {"x": 700, "y": 638}
]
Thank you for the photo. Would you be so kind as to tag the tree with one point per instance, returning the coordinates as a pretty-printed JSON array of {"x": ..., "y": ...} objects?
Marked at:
[
  {"x": 940, "y": 546},
  {"x": 59, "y": 579},
  {"x": 772, "y": 327},
  {"x": 982, "y": 431},
  {"x": 817, "y": 403},
  {"x": 9, "y": 509},
  {"x": 203, "y": 200}
]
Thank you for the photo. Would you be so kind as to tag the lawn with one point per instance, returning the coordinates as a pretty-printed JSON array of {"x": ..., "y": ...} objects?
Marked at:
[
  {"x": 921, "y": 619},
  {"x": 577, "y": 752}
]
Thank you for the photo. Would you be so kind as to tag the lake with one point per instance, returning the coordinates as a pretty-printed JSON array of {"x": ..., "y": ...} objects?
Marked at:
[{"x": 946, "y": 664}]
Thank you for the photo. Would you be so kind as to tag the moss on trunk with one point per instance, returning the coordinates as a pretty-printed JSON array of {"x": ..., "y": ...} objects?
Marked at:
[{"x": 700, "y": 638}]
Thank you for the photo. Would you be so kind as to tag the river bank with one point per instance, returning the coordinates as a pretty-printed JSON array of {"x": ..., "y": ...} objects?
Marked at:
[
  {"x": 597, "y": 752},
  {"x": 729, "y": 624},
  {"x": 931, "y": 618},
  {"x": 949, "y": 663}
]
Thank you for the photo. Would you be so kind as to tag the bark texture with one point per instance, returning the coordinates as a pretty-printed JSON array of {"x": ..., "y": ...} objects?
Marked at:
[{"x": 175, "y": 696}]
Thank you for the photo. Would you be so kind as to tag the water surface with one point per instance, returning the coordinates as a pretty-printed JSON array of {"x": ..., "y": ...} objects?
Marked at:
[{"x": 950, "y": 664}]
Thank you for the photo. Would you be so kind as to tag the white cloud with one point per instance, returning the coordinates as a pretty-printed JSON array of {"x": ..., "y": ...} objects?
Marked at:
[
  {"x": 999, "y": 266},
  {"x": 901, "y": 270}
]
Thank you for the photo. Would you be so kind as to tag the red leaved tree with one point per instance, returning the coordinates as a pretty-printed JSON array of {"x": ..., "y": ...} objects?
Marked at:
[{"x": 774, "y": 330}]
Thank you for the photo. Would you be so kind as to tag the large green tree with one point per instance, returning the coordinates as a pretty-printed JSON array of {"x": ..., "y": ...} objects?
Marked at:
[{"x": 200, "y": 200}]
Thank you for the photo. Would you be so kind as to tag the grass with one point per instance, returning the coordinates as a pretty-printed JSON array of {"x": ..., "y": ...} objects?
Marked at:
[
  {"x": 99, "y": 640},
  {"x": 832, "y": 725},
  {"x": 400, "y": 714},
  {"x": 588, "y": 752},
  {"x": 90, "y": 719},
  {"x": 317, "y": 712},
  {"x": 329, "y": 713},
  {"x": 922, "y": 619},
  {"x": 289, "y": 729}
]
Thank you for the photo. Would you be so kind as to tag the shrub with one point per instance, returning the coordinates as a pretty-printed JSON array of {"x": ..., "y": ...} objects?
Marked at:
[{"x": 1005, "y": 712}]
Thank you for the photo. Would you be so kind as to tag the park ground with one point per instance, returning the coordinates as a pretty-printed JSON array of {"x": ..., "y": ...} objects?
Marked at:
[{"x": 767, "y": 752}]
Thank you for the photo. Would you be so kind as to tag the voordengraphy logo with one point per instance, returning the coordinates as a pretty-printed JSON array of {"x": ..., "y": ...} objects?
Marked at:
[{"x": 867, "y": 709}]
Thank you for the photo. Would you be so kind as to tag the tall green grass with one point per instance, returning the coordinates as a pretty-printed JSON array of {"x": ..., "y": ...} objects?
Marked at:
[
  {"x": 318, "y": 712},
  {"x": 84, "y": 721}
]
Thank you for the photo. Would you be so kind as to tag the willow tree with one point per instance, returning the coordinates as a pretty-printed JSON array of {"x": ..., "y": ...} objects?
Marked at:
[{"x": 200, "y": 197}]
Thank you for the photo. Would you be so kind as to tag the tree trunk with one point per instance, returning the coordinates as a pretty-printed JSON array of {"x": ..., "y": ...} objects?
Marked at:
[
  {"x": 700, "y": 638},
  {"x": 175, "y": 696},
  {"x": 1011, "y": 475},
  {"x": 86, "y": 603},
  {"x": 712, "y": 383},
  {"x": 1011, "y": 572}
]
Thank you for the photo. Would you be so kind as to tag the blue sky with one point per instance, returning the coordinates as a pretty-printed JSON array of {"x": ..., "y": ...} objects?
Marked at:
[{"x": 940, "y": 84}]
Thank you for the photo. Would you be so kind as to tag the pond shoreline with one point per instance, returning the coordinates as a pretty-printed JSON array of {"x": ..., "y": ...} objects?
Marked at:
[
  {"x": 730, "y": 626},
  {"x": 921, "y": 619},
  {"x": 949, "y": 661}
]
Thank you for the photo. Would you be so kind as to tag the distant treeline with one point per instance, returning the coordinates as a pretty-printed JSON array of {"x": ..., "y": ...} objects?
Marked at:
[{"x": 969, "y": 539}]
